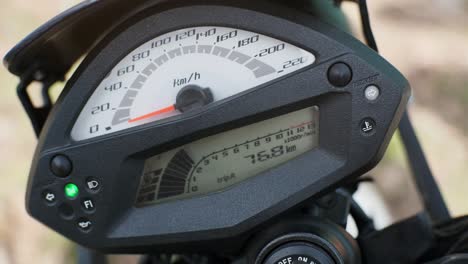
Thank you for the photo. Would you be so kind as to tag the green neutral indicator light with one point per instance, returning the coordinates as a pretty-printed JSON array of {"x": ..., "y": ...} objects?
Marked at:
[{"x": 71, "y": 190}]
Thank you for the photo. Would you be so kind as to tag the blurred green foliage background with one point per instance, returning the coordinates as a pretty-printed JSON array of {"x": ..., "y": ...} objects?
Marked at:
[{"x": 426, "y": 40}]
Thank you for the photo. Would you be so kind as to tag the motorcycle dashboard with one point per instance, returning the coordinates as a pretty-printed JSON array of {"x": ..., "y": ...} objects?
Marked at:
[{"x": 200, "y": 122}]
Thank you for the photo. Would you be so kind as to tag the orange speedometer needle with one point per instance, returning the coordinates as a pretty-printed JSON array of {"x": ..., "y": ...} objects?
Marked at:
[{"x": 155, "y": 113}]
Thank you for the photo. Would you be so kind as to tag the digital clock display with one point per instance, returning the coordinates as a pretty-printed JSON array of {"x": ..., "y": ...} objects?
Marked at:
[{"x": 220, "y": 161}]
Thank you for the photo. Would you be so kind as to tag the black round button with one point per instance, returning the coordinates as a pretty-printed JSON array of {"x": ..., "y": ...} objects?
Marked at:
[
  {"x": 61, "y": 166},
  {"x": 84, "y": 224},
  {"x": 66, "y": 211},
  {"x": 92, "y": 184},
  {"x": 49, "y": 197},
  {"x": 340, "y": 74},
  {"x": 368, "y": 126}
]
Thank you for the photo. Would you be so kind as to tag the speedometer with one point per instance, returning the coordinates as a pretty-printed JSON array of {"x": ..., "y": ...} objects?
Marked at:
[
  {"x": 184, "y": 70},
  {"x": 195, "y": 124}
]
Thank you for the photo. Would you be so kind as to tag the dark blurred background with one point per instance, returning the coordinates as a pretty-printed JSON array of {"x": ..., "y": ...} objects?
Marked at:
[{"x": 426, "y": 39}]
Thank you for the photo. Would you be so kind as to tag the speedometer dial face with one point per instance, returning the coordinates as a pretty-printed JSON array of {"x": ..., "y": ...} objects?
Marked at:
[
  {"x": 220, "y": 161},
  {"x": 181, "y": 71}
]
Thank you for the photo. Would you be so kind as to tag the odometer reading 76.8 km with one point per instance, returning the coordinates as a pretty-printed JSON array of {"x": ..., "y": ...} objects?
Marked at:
[{"x": 220, "y": 161}]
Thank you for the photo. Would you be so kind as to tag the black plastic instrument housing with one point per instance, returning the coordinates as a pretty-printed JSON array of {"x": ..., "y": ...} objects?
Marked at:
[{"x": 222, "y": 221}]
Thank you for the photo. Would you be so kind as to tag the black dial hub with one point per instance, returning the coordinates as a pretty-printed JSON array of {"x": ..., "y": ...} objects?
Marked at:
[{"x": 193, "y": 96}]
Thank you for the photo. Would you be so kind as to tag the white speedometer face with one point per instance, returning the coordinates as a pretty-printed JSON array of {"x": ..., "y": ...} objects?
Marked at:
[
  {"x": 217, "y": 162},
  {"x": 181, "y": 71}
]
